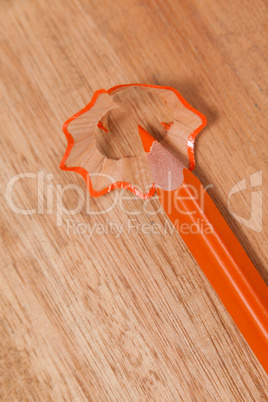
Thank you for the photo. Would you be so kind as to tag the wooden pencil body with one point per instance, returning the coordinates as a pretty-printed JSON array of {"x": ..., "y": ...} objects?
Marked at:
[{"x": 222, "y": 259}]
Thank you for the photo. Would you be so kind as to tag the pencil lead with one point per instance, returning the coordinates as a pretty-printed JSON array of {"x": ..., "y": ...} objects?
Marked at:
[{"x": 146, "y": 138}]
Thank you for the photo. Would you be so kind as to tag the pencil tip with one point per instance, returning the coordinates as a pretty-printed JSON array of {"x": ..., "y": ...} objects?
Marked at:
[{"x": 146, "y": 138}]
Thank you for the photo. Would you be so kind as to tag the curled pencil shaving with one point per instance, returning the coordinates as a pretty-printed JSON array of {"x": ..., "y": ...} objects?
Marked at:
[{"x": 104, "y": 144}]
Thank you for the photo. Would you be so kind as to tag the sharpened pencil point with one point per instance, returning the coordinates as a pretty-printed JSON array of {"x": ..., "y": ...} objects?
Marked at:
[{"x": 146, "y": 138}]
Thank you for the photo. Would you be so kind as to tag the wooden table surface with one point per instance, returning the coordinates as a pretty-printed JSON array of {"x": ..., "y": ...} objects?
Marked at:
[{"x": 132, "y": 317}]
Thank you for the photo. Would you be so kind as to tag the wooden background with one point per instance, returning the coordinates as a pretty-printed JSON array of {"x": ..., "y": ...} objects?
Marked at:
[{"x": 128, "y": 318}]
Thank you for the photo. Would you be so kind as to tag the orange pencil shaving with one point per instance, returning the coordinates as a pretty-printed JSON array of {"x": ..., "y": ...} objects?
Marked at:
[{"x": 216, "y": 250}]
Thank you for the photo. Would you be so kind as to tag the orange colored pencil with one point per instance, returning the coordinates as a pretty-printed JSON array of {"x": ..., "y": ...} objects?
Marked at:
[{"x": 216, "y": 249}]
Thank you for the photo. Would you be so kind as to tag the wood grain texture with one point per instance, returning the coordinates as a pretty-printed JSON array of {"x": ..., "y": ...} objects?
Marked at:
[{"x": 130, "y": 317}]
